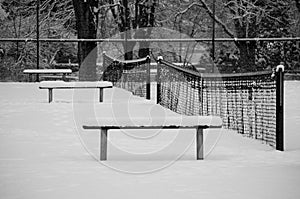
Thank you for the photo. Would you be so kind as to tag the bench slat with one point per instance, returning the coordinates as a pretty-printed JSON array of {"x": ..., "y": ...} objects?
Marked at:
[
  {"x": 174, "y": 122},
  {"x": 47, "y": 71},
  {"x": 70, "y": 85},
  {"x": 146, "y": 115},
  {"x": 58, "y": 77}
]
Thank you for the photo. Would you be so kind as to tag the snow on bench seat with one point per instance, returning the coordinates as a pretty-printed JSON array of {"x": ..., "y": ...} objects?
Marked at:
[
  {"x": 82, "y": 84},
  {"x": 47, "y": 71},
  {"x": 145, "y": 114}
]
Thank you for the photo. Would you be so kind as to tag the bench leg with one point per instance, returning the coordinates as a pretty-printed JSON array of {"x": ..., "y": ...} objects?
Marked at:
[
  {"x": 103, "y": 144},
  {"x": 199, "y": 140},
  {"x": 50, "y": 94},
  {"x": 101, "y": 95}
]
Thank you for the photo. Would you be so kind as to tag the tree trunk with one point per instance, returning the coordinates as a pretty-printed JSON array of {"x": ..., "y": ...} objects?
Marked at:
[
  {"x": 86, "y": 29},
  {"x": 246, "y": 48},
  {"x": 146, "y": 20},
  {"x": 247, "y": 56}
]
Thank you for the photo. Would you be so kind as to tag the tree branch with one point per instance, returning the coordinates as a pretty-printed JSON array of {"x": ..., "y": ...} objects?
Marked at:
[
  {"x": 222, "y": 24},
  {"x": 204, "y": 5}
]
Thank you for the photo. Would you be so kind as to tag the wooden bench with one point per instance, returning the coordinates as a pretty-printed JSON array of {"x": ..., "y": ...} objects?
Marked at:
[
  {"x": 61, "y": 72},
  {"x": 50, "y": 85},
  {"x": 115, "y": 119}
]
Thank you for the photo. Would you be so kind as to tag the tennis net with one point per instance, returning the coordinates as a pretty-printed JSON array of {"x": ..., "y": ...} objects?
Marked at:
[
  {"x": 132, "y": 75},
  {"x": 247, "y": 103}
]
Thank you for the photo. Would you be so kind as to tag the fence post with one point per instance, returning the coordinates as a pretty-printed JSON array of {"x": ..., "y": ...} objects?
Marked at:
[
  {"x": 280, "y": 108},
  {"x": 158, "y": 84},
  {"x": 148, "y": 84}
]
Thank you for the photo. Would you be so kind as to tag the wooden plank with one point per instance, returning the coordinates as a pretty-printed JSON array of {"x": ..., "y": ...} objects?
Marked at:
[
  {"x": 46, "y": 71},
  {"x": 58, "y": 77},
  {"x": 74, "y": 87},
  {"x": 70, "y": 85},
  {"x": 149, "y": 127},
  {"x": 115, "y": 122}
]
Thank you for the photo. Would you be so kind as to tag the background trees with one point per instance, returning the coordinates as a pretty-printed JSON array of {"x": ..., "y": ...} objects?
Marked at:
[
  {"x": 105, "y": 18},
  {"x": 17, "y": 20},
  {"x": 248, "y": 19}
]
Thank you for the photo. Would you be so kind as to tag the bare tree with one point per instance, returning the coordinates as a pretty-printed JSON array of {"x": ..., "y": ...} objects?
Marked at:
[{"x": 247, "y": 19}]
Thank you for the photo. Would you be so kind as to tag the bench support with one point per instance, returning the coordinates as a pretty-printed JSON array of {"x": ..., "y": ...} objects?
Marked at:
[
  {"x": 100, "y": 94},
  {"x": 103, "y": 144},
  {"x": 50, "y": 94},
  {"x": 199, "y": 140}
]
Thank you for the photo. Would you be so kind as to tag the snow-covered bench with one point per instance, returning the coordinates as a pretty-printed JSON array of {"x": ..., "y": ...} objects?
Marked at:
[
  {"x": 50, "y": 85},
  {"x": 62, "y": 72},
  {"x": 146, "y": 116}
]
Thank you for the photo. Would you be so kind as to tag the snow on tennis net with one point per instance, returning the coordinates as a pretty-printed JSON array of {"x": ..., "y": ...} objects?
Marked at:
[{"x": 245, "y": 102}]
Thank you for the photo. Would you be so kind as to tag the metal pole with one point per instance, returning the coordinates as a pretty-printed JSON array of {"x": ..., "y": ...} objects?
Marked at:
[
  {"x": 148, "y": 83},
  {"x": 158, "y": 80},
  {"x": 280, "y": 108},
  {"x": 37, "y": 38},
  {"x": 213, "y": 35}
]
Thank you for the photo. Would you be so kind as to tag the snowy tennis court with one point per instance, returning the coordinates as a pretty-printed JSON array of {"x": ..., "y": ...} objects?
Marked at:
[{"x": 42, "y": 155}]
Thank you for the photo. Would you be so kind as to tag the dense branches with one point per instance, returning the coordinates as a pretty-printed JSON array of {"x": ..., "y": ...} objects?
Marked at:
[{"x": 105, "y": 18}]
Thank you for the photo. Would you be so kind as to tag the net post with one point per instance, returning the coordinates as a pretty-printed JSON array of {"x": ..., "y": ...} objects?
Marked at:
[
  {"x": 103, "y": 65},
  {"x": 158, "y": 68},
  {"x": 148, "y": 84},
  {"x": 279, "y": 107}
]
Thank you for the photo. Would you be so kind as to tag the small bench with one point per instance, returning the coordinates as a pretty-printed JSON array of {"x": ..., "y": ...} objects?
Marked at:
[
  {"x": 50, "y": 85},
  {"x": 115, "y": 119},
  {"x": 61, "y": 72}
]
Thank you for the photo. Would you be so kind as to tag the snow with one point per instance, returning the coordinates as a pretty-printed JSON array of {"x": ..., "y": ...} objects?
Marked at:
[
  {"x": 47, "y": 71},
  {"x": 75, "y": 84},
  {"x": 42, "y": 156},
  {"x": 145, "y": 114}
]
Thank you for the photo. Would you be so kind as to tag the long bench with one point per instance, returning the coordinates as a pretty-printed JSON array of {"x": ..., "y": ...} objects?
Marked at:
[
  {"x": 114, "y": 117},
  {"x": 50, "y": 85},
  {"x": 62, "y": 72}
]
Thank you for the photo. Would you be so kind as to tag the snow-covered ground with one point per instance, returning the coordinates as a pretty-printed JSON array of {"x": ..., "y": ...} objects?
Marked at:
[{"x": 43, "y": 153}]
